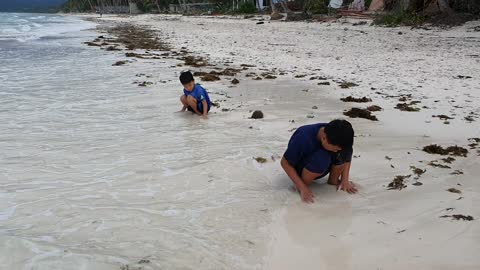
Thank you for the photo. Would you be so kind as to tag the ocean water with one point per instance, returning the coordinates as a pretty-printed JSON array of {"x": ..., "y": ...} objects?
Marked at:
[{"x": 99, "y": 173}]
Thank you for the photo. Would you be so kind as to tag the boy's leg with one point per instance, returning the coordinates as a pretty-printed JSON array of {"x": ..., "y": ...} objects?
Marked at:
[
  {"x": 335, "y": 173},
  {"x": 192, "y": 102},
  {"x": 183, "y": 99}
]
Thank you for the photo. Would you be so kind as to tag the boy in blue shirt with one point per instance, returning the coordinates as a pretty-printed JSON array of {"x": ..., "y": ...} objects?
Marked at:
[
  {"x": 195, "y": 98},
  {"x": 317, "y": 150}
]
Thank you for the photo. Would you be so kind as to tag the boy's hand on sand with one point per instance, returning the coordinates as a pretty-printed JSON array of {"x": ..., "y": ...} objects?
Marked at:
[
  {"x": 307, "y": 195},
  {"x": 347, "y": 186}
]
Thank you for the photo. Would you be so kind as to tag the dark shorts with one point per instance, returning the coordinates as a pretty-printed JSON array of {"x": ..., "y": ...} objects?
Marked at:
[
  {"x": 336, "y": 160},
  {"x": 299, "y": 171},
  {"x": 199, "y": 108}
]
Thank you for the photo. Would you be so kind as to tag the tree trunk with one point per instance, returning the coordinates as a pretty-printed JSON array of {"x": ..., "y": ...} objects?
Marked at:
[{"x": 443, "y": 6}]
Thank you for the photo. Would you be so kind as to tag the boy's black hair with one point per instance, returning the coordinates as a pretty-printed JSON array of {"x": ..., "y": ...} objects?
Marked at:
[
  {"x": 186, "y": 77},
  {"x": 340, "y": 133}
]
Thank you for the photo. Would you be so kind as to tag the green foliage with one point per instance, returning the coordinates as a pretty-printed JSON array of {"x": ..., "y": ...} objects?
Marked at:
[
  {"x": 400, "y": 19},
  {"x": 316, "y": 6},
  {"x": 309, "y": 6},
  {"x": 468, "y": 6},
  {"x": 247, "y": 8},
  {"x": 75, "y": 6}
]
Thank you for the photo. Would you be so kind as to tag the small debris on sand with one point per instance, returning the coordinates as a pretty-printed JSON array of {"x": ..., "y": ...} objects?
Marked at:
[
  {"x": 143, "y": 261},
  {"x": 226, "y": 72},
  {"x": 469, "y": 118},
  {"x": 406, "y": 107},
  {"x": 131, "y": 54},
  {"x": 403, "y": 99},
  {"x": 112, "y": 48},
  {"x": 451, "y": 150},
  {"x": 459, "y": 217},
  {"x": 258, "y": 79},
  {"x": 119, "y": 63},
  {"x": 443, "y": 117},
  {"x": 358, "y": 100},
  {"x": 360, "y": 23},
  {"x": 456, "y": 172},
  {"x": 323, "y": 83},
  {"x": 270, "y": 77},
  {"x": 257, "y": 115},
  {"x": 209, "y": 77},
  {"x": 301, "y": 76},
  {"x": 360, "y": 113},
  {"x": 194, "y": 61},
  {"x": 398, "y": 183},
  {"x": 374, "y": 108},
  {"x": 417, "y": 183},
  {"x": 199, "y": 73},
  {"x": 235, "y": 81},
  {"x": 477, "y": 140},
  {"x": 436, "y": 165},
  {"x": 454, "y": 190},
  {"x": 315, "y": 108},
  {"x": 144, "y": 84},
  {"x": 417, "y": 171},
  {"x": 261, "y": 159},
  {"x": 463, "y": 77},
  {"x": 93, "y": 44},
  {"x": 346, "y": 85},
  {"x": 448, "y": 160}
]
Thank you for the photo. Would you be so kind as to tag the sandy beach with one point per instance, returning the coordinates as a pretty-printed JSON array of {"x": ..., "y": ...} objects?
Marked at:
[{"x": 196, "y": 198}]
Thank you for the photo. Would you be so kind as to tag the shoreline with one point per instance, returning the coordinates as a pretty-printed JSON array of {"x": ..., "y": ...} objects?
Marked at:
[{"x": 404, "y": 216}]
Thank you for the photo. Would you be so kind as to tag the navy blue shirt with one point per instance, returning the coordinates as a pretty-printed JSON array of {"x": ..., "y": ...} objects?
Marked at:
[
  {"x": 199, "y": 93},
  {"x": 306, "y": 151}
]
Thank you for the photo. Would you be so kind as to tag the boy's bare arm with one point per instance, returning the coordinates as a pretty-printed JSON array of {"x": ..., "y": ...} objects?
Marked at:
[
  {"x": 345, "y": 183},
  {"x": 305, "y": 193}
]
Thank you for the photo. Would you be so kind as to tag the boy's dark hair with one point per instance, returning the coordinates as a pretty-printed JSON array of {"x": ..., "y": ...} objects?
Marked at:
[
  {"x": 340, "y": 133},
  {"x": 186, "y": 77}
]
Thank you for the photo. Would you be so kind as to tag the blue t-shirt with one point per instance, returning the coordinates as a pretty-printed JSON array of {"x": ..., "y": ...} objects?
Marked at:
[
  {"x": 199, "y": 93},
  {"x": 306, "y": 151}
]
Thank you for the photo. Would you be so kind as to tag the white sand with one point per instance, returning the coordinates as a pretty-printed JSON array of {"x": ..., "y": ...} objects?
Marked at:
[
  {"x": 376, "y": 229},
  {"x": 247, "y": 218}
]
